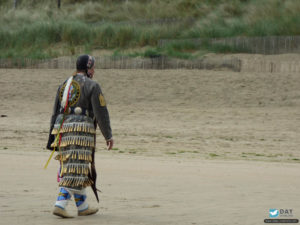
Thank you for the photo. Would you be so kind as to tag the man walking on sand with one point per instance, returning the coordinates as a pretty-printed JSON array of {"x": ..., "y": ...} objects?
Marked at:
[{"x": 79, "y": 106}]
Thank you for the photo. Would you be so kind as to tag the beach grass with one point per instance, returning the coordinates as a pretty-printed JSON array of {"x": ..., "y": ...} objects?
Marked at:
[{"x": 38, "y": 29}]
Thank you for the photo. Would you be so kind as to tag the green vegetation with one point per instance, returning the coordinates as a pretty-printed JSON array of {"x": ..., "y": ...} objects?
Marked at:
[
  {"x": 37, "y": 29},
  {"x": 213, "y": 155},
  {"x": 171, "y": 153},
  {"x": 182, "y": 151}
]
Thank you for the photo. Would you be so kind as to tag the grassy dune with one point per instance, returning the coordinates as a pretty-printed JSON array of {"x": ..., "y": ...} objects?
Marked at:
[{"x": 37, "y": 29}]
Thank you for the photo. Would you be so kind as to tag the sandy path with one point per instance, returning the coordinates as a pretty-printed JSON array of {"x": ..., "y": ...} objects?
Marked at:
[
  {"x": 147, "y": 190},
  {"x": 192, "y": 147},
  {"x": 182, "y": 113}
]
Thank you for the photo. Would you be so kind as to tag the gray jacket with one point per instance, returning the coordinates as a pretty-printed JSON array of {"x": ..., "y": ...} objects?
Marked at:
[{"x": 90, "y": 99}]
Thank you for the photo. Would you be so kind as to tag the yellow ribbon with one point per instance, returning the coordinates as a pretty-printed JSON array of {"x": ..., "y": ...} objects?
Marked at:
[
  {"x": 55, "y": 141},
  {"x": 58, "y": 133},
  {"x": 61, "y": 163}
]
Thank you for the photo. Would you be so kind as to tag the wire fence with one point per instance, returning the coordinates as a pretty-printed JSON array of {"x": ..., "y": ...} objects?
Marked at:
[
  {"x": 159, "y": 21},
  {"x": 233, "y": 63},
  {"x": 258, "y": 45},
  {"x": 123, "y": 62},
  {"x": 270, "y": 66},
  {"x": 261, "y": 45}
]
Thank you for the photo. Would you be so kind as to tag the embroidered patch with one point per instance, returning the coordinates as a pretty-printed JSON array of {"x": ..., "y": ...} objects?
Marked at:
[
  {"x": 102, "y": 100},
  {"x": 74, "y": 93}
]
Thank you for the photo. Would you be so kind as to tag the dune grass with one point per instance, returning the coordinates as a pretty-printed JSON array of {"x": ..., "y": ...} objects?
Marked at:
[{"x": 37, "y": 29}]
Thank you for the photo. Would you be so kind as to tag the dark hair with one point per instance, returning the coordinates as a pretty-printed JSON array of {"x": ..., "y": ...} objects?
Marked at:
[{"x": 85, "y": 62}]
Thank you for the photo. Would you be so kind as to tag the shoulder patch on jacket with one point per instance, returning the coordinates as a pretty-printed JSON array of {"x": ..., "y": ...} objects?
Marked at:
[{"x": 102, "y": 100}]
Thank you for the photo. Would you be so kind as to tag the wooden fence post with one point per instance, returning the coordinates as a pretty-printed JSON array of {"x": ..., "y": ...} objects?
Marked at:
[{"x": 15, "y": 4}]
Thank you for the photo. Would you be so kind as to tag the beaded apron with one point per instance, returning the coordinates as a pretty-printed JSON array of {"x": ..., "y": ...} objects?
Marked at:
[{"x": 75, "y": 150}]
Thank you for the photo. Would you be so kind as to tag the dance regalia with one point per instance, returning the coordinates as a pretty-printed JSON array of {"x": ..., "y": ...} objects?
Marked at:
[{"x": 79, "y": 107}]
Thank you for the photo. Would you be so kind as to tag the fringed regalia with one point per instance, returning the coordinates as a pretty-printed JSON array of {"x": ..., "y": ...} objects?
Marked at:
[
  {"x": 76, "y": 149},
  {"x": 79, "y": 107},
  {"x": 73, "y": 129}
]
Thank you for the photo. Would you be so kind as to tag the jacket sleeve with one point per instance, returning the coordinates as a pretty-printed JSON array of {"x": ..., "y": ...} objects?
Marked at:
[
  {"x": 52, "y": 121},
  {"x": 100, "y": 111}
]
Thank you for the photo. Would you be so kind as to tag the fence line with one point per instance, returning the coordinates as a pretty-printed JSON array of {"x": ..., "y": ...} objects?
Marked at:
[
  {"x": 257, "y": 45},
  {"x": 257, "y": 65},
  {"x": 160, "y": 63},
  {"x": 160, "y": 21},
  {"x": 122, "y": 62}
]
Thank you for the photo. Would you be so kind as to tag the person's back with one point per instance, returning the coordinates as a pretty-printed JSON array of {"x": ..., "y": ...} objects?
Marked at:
[{"x": 85, "y": 99}]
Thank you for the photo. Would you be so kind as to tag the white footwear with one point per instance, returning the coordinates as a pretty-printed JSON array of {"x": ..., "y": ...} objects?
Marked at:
[
  {"x": 88, "y": 211},
  {"x": 61, "y": 212}
]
